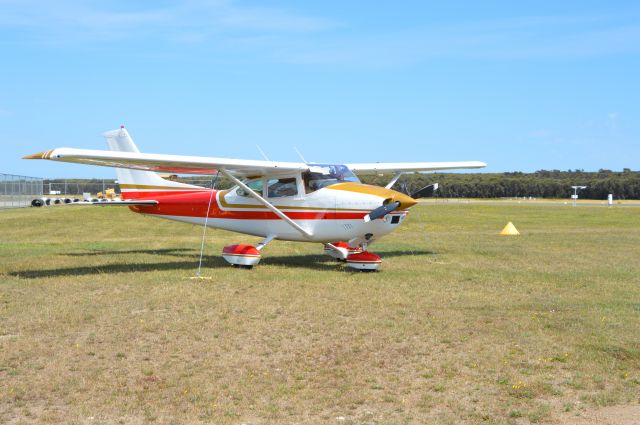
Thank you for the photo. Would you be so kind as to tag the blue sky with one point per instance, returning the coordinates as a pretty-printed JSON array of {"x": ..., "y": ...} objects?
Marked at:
[{"x": 520, "y": 85}]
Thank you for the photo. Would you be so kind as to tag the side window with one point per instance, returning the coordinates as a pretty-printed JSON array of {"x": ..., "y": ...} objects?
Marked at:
[
  {"x": 277, "y": 188},
  {"x": 255, "y": 185},
  {"x": 316, "y": 181},
  {"x": 319, "y": 176}
]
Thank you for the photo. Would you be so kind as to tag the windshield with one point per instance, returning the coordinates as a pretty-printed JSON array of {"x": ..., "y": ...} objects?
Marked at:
[{"x": 322, "y": 175}]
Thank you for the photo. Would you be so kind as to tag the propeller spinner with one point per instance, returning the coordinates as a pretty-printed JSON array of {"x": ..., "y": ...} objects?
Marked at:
[{"x": 381, "y": 211}]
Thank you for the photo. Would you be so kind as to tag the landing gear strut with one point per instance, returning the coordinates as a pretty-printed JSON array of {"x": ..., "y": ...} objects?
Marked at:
[{"x": 356, "y": 258}]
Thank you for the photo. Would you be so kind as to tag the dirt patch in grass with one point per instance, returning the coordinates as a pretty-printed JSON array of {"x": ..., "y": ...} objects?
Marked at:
[{"x": 612, "y": 415}]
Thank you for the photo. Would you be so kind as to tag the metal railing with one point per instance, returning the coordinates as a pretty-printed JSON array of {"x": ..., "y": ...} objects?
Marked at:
[
  {"x": 19, "y": 191},
  {"x": 76, "y": 187}
]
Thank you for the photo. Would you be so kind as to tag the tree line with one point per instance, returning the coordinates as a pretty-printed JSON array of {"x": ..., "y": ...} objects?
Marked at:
[{"x": 540, "y": 184}]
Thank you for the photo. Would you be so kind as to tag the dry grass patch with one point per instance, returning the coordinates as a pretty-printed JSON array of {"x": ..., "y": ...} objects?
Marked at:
[{"x": 99, "y": 319}]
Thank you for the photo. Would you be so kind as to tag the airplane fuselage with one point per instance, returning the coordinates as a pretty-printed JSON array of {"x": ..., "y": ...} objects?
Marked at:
[{"x": 330, "y": 214}]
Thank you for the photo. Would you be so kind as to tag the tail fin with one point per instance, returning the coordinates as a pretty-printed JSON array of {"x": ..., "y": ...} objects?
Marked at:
[{"x": 136, "y": 183}]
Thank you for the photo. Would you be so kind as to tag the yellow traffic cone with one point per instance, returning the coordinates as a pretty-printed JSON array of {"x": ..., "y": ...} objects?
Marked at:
[{"x": 509, "y": 230}]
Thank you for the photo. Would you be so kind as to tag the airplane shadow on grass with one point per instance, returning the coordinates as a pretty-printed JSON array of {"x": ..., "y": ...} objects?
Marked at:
[
  {"x": 310, "y": 261},
  {"x": 165, "y": 251}
]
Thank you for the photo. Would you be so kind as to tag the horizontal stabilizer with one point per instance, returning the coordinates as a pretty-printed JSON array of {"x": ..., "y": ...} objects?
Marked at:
[{"x": 117, "y": 203}]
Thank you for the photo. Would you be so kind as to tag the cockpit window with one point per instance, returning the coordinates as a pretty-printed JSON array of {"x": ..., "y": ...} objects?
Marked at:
[
  {"x": 320, "y": 175},
  {"x": 255, "y": 185},
  {"x": 277, "y": 188}
]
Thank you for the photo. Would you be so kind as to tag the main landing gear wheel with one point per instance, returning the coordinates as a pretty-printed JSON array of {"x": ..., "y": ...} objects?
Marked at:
[{"x": 244, "y": 256}]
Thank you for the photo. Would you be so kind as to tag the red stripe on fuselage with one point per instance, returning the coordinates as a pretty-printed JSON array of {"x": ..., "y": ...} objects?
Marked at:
[
  {"x": 163, "y": 193},
  {"x": 194, "y": 204}
]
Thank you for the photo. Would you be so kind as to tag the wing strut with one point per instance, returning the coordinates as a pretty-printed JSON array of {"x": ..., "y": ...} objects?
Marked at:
[
  {"x": 266, "y": 203},
  {"x": 393, "y": 181}
]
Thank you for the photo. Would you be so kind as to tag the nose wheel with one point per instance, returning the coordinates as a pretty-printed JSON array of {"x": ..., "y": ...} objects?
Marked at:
[{"x": 364, "y": 261}]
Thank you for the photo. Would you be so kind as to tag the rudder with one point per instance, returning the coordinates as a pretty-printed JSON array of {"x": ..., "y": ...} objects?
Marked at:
[{"x": 135, "y": 183}]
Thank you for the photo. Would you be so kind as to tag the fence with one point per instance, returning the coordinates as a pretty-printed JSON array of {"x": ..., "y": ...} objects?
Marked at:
[
  {"x": 19, "y": 191},
  {"x": 76, "y": 187}
]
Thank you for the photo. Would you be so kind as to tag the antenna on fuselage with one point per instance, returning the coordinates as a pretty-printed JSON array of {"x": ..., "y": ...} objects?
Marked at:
[
  {"x": 300, "y": 155},
  {"x": 264, "y": 155}
]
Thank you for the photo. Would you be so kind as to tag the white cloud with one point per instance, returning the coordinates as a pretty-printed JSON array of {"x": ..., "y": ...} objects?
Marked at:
[
  {"x": 283, "y": 35},
  {"x": 74, "y": 21},
  {"x": 518, "y": 38}
]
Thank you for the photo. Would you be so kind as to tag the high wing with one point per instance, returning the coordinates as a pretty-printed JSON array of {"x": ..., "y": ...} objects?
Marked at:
[
  {"x": 179, "y": 164},
  {"x": 412, "y": 167}
]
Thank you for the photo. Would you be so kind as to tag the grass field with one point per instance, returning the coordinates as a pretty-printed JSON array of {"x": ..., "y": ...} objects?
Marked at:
[{"x": 101, "y": 323}]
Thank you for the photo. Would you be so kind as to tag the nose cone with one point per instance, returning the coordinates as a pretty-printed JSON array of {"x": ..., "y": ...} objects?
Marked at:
[{"x": 406, "y": 201}]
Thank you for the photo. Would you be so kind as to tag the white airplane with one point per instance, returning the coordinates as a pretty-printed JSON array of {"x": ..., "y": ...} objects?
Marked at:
[{"x": 324, "y": 203}]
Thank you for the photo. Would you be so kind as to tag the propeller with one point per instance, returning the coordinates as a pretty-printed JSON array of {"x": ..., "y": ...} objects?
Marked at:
[
  {"x": 381, "y": 211},
  {"x": 424, "y": 191}
]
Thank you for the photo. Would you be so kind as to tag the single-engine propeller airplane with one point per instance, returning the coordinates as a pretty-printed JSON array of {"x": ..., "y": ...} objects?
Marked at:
[{"x": 324, "y": 203}]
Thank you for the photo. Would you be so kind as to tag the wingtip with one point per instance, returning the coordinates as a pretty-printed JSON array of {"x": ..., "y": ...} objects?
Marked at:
[{"x": 39, "y": 155}]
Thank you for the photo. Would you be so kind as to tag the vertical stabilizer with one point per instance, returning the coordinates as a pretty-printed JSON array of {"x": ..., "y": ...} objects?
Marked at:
[{"x": 137, "y": 183}]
